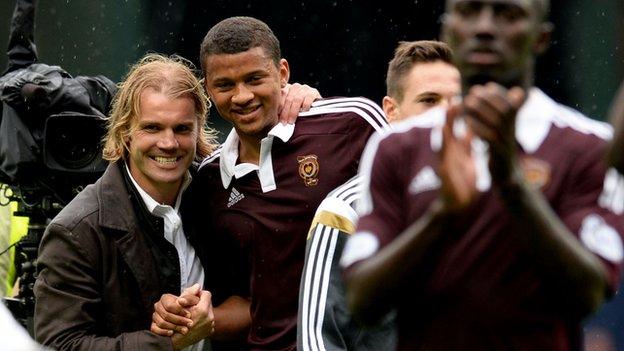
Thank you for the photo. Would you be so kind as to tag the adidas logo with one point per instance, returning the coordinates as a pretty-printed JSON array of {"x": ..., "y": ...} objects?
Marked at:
[
  {"x": 235, "y": 196},
  {"x": 425, "y": 180}
]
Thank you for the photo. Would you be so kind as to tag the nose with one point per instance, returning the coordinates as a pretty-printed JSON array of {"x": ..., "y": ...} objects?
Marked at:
[
  {"x": 167, "y": 140},
  {"x": 485, "y": 25},
  {"x": 242, "y": 95}
]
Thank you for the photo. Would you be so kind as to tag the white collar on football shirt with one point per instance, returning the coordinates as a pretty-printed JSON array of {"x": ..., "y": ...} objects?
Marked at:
[{"x": 229, "y": 156}]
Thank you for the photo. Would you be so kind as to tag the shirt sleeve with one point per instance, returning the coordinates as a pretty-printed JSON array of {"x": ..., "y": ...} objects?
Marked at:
[
  {"x": 380, "y": 208},
  {"x": 370, "y": 121},
  {"x": 324, "y": 321},
  {"x": 592, "y": 207}
]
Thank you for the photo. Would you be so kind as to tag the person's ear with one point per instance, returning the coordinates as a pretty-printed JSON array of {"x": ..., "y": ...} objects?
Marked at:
[
  {"x": 284, "y": 72},
  {"x": 391, "y": 108}
]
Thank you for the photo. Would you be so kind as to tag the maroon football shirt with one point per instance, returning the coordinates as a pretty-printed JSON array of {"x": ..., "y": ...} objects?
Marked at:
[
  {"x": 267, "y": 210},
  {"x": 478, "y": 288}
]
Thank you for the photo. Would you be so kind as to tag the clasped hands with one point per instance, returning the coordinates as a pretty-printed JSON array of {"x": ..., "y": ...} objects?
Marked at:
[
  {"x": 187, "y": 318},
  {"x": 490, "y": 114}
]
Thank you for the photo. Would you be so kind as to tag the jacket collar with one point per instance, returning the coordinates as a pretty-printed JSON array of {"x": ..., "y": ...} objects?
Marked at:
[
  {"x": 114, "y": 199},
  {"x": 120, "y": 203}
]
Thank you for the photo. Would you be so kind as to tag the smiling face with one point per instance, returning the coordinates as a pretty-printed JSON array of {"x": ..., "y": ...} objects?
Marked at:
[
  {"x": 245, "y": 88},
  {"x": 495, "y": 40},
  {"x": 162, "y": 143},
  {"x": 427, "y": 85}
]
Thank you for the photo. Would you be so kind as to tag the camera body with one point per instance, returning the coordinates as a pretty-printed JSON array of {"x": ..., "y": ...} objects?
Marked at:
[{"x": 51, "y": 129}]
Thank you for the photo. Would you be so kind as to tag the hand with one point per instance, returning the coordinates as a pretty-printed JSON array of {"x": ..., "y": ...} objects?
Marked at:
[
  {"x": 457, "y": 166},
  {"x": 491, "y": 113},
  {"x": 296, "y": 98},
  {"x": 202, "y": 315},
  {"x": 173, "y": 314}
]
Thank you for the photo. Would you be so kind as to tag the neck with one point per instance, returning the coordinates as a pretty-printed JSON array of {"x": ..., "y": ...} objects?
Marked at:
[
  {"x": 249, "y": 149},
  {"x": 167, "y": 197},
  {"x": 162, "y": 193}
]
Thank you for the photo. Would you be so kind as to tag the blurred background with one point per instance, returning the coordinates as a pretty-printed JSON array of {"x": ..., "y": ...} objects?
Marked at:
[{"x": 341, "y": 47}]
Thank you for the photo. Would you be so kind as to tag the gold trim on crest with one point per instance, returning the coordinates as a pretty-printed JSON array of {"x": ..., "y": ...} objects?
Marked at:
[
  {"x": 536, "y": 172},
  {"x": 309, "y": 169}
]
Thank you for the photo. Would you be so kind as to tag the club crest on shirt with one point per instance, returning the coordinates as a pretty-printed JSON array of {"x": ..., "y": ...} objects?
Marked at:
[
  {"x": 535, "y": 171},
  {"x": 308, "y": 169}
]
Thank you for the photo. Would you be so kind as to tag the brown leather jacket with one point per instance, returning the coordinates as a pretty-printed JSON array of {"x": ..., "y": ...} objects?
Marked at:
[{"x": 103, "y": 263}]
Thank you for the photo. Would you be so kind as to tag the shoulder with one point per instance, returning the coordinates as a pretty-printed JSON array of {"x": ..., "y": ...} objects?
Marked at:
[
  {"x": 575, "y": 126},
  {"x": 579, "y": 135},
  {"x": 337, "y": 209},
  {"x": 412, "y": 133},
  {"x": 348, "y": 192},
  {"x": 348, "y": 108},
  {"x": 578, "y": 123},
  {"x": 342, "y": 198},
  {"x": 211, "y": 160},
  {"x": 84, "y": 207},
  {"x": 75, "y": 230}
]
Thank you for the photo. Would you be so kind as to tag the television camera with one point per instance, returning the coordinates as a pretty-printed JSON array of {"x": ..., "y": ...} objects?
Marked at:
[{"x": 51, "y": 127}]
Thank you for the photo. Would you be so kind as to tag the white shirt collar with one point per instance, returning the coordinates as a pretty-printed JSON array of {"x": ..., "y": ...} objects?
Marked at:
[
  {"x": 149, "y": 201},
  {"x": 229, "y": 155},
  {"x": 534, "y": 120}
]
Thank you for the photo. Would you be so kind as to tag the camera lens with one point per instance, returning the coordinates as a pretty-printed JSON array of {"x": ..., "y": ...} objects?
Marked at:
[{"x": 72, "y": 142}]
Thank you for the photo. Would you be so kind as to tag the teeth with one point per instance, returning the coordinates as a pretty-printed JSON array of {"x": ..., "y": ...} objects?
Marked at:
[{"x": 165, "y": 160}]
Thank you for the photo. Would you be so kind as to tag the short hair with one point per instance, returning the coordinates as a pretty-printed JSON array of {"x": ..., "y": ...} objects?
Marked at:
[
  {"x": 409, "y": 53},
  {"x": 239, "y": 34},
  {"x": 169, "y": 75}
]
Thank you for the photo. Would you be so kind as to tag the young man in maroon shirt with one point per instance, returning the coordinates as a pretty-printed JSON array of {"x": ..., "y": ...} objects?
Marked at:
[
  {"x": 504, "y": 240},
  {"x": 257, "y": 194}
]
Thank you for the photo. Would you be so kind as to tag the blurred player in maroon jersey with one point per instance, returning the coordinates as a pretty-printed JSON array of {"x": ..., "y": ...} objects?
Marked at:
[{"x": 487, "y": 225}]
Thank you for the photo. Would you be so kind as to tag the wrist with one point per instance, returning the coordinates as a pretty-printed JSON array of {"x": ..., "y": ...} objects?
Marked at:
[
  {"x": 441, "y": 209},
  {"x": 512, "y": 188}
]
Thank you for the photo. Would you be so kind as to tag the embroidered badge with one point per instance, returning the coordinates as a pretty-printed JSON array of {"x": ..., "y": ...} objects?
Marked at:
[
  {"x": 536, "y": 172},
  {"x": 308, "y": 169}
]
